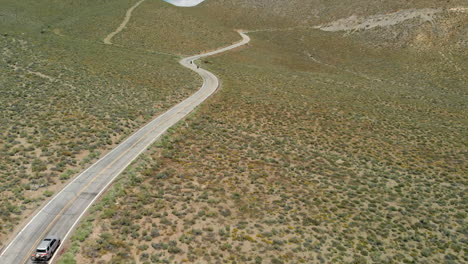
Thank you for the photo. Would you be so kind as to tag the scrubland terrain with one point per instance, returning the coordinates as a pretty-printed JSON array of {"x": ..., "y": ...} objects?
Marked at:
[
  {"x": 277, "y": 13},
  {"x": 66, "y": 98},
  {"x": 320, "y": 147},
  {"x": 159, "y": 26}
]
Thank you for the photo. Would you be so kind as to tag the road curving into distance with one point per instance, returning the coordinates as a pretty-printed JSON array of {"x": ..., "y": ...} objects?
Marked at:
[{"x": 61, "y": 214}]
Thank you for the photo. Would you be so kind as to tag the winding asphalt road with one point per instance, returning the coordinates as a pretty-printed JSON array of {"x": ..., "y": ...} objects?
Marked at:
[{"x": 61, "y": 214}]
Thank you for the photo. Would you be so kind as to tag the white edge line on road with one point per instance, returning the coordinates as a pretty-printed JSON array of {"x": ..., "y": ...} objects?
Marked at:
[
  {"x": 100, "y": 192},
  {"x": 196, "y": 57},
  {"x": 120, "y": 144},
  {"x": 125, "y": 167},
  {"x": 53, "y": 198},
  {"x": 150, "y": 143},
  {"x": 75, "y": 179},
  {"x": 145, "y": 148}
]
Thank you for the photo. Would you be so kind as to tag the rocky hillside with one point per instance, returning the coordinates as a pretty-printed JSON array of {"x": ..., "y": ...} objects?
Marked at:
[
  {"x": 447, "y": 29},
  {"x": 418, "y": 23},
  {"x": 268, "y": 12}
]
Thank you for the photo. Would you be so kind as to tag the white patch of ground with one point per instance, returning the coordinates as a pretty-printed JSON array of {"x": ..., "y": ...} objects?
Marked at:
[
  {"x": 459, "y": 9},
  {"x": 185, "y": 3},
  {"x": 384, "y": 20}
]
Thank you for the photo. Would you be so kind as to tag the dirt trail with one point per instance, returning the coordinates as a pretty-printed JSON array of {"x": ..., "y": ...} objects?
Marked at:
[{"x": 128, "y": 15}]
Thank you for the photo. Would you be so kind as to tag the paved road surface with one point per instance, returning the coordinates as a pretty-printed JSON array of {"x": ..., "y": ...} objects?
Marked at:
[{"x": 60, "y": 215}]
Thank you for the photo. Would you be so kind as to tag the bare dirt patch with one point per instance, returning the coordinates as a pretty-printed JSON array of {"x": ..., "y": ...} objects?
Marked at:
[{"x": 353, "y": 23}]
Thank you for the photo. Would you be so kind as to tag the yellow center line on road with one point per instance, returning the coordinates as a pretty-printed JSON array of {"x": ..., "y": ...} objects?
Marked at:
[
  {"x": 87, "y": 185},
  {"x": 48, "y": 228}
]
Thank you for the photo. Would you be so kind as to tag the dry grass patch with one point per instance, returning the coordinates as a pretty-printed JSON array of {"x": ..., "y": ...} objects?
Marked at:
[
  {"x": 299, "y": 161},
  {"x": 64, "y": 102}
]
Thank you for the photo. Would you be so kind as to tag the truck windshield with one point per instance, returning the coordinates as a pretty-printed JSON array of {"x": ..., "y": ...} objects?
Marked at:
[{"x": 41, "y": 251}]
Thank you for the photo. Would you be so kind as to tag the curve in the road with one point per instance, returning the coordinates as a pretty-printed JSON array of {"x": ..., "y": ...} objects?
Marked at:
[{"x": 61, "y": 214}]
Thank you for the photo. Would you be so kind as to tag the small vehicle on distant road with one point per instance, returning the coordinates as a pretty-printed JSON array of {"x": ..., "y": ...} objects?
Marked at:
[{"x": 46, "y": 249}]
